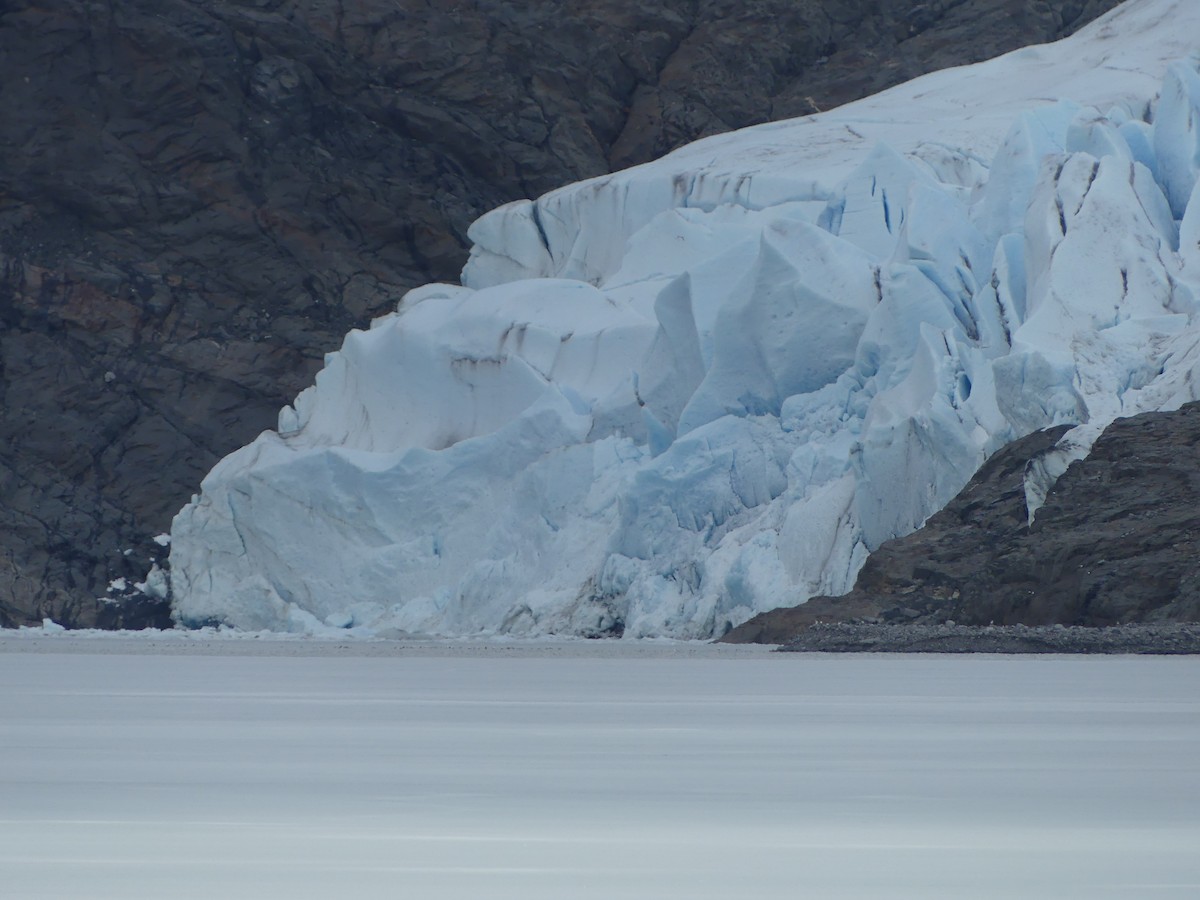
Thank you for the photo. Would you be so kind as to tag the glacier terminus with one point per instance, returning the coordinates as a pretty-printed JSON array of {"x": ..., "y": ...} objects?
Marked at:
[{"x": 666, "y": 399}]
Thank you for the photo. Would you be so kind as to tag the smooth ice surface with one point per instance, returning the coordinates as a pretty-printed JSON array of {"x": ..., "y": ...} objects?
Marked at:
[
  {"x": 672, "y": 397},
  {"x": 509, "y": 772}
]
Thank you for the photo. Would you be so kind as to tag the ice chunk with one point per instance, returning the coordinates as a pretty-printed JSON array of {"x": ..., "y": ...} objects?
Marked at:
[
  {"x": 1036, "y": 135},
  {"x": 870, "y": 206},
  {"x": 508, "y": 244},
  {"x": 156, "y": 585},
  {"x": 790, "y": 327},
  {"x": 1177, "y": 133}
]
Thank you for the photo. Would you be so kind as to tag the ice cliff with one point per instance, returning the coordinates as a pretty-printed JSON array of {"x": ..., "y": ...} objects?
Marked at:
[{"x": 667, "y": 399}]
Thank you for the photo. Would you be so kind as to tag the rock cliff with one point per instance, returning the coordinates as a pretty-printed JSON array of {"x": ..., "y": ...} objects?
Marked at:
[{"x": 197, "y": 200}]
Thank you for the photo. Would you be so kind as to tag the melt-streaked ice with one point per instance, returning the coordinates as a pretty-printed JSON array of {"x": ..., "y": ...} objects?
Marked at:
[{"x": 669, "y": 398}]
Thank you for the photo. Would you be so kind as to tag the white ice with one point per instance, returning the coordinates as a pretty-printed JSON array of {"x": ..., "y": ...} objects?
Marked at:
[
  {"x": 145, "y": 769},
  {"x": 669, "y": 398}
]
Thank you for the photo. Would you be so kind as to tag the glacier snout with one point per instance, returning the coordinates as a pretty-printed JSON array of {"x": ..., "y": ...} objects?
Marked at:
[{"x": 697, "y": 407}]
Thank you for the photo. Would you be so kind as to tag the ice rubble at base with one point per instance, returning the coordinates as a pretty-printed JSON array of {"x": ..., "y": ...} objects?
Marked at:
[{"x": 671, "y": 398}]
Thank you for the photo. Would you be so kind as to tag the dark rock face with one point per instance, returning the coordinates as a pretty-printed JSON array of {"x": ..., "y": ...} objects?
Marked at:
[
  {"x": 742, "y": 62},
  {"x": 199, "y": 197},
  {"x": 1116, "y": 542},
  {"x": 1162, "y": 640}
]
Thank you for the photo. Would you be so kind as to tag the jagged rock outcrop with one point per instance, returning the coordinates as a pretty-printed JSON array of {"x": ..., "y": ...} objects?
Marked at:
[
  {"x": 1115, "y": 542},
  {"x": 197, "y": 200}
]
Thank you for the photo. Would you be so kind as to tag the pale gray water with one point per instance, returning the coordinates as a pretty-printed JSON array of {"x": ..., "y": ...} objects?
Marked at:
[{"x": 538, "y": 774}]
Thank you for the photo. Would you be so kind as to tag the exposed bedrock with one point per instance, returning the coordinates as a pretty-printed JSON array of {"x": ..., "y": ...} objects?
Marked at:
[
  {"x": 1115, "y": 542},
  {"x": 198, "y": 199}
]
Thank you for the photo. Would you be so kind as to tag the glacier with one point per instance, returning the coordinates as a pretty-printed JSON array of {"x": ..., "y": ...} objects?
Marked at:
[{"x": 666, "y": 399}]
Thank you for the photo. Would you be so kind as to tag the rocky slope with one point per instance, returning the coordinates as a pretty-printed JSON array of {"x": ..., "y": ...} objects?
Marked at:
[
  {"x": 1114, "y": 543},
  {"x": 197, "y": 199},
  {"x": 1161, "y": 640}
]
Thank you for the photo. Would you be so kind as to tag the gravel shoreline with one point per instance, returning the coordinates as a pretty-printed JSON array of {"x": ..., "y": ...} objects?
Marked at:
[{"x": 1173, "y": 639}]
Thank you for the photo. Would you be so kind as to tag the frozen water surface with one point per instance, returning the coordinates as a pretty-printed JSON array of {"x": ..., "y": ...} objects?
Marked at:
[{"x": 248, "y": 771}]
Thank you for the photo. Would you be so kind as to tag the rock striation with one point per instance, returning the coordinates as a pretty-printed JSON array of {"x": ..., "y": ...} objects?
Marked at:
[
  {"x": 198, "y": 199},
  {"x": 1113, "y": 543}
]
